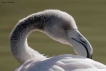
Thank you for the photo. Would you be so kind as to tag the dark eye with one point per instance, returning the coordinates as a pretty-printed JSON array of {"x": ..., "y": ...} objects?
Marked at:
[{"x": 65, "y": 27}]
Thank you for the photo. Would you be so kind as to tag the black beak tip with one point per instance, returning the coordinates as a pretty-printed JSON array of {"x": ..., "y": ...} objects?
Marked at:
[{"x": 90, "y": 56}]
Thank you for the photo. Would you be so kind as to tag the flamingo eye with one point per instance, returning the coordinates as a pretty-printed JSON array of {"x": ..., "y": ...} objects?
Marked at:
[{"x": 66, "y": 27}]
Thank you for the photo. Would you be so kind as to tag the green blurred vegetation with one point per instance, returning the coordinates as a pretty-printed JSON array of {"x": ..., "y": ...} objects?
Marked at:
[{"x": 90, "y": 16}]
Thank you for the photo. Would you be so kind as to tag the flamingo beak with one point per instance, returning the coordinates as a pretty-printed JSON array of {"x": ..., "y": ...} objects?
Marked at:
[{"x": 80, "y": 44}]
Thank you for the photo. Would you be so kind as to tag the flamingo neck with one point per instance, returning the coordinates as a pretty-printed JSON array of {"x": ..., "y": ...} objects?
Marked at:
[{"x": 18, "y": 42}]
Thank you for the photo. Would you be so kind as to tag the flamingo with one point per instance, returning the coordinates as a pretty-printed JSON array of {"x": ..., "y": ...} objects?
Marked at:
[{"x": 61, "y": 27}]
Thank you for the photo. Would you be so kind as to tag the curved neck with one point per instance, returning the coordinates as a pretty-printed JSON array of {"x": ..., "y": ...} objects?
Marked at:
[{"x": 18, "y": 41}]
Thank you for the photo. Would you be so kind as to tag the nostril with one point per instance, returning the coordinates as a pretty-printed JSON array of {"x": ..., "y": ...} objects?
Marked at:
[{"x": 82, "y": 40}]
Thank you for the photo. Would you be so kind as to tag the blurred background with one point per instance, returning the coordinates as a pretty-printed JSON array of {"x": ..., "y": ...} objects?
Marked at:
[{"x": 90, "y": 16}]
